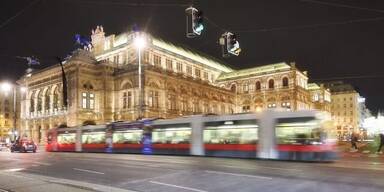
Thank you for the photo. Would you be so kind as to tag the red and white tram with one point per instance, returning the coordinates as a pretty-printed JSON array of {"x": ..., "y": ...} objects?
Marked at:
[{"x": 267, "y": 135}]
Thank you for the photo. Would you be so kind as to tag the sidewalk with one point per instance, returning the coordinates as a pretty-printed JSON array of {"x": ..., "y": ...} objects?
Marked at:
[{"x": 13, "y": 181}]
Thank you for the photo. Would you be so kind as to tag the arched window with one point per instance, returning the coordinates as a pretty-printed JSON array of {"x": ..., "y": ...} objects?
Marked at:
[
  {"x": 32, "y": 100},
  {"x": 258, "y": 86},
  {"x": 233, "y": 88},
  {"x": 39, "y": 101},
  {"x": 271, "y": 84},
  {"x": 47, "y": 100},
  {"x": 285, "y": 82},
  {"x": 56, "y": 98}
]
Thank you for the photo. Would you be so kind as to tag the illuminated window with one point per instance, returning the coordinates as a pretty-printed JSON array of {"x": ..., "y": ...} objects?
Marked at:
[
  {"x": 171, "y": 101},
  {"x": 316, "y": 97},
  {"x": 245, "y": 87},
  {"x": 231, "y": 132},
  {"x": 196, "y": 106},
  {"x": 175, "y": 134},
  {"x": 88, "y": 100},
  {"x": 197, "y": 73},
  {"x": 168, "y": 62},
  {"x": 93, "y": 138},
  {"x": 127, "y": 99},
  {"x": 189, "y": 70},
  {"x": 206, "y": 75},
  {"x": 157, "y": 60},
  {"x": 153, "y": 99},
  {"x": 132, "y": 136},
  {"x": 304, "y": 130},
  {"x": 179, "y": 67},
  {"x": 66, "y": 138}
]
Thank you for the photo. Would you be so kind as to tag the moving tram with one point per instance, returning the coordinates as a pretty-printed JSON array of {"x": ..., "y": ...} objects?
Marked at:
[{"x": 267, "y": 135}]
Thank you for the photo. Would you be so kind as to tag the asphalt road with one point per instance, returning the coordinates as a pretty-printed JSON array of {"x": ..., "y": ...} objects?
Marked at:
[{"x": 201, "y": 174}]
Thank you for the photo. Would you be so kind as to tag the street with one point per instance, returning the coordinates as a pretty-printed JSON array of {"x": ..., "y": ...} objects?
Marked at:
[{"x": 127, "y": 172}]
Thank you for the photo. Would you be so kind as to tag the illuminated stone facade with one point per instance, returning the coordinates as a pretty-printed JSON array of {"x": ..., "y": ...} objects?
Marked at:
[
  {"x": 103, "y": 85},
  {"x": 277, "y": 86},
  {"x": 346, "y": 109},
  {"x": 321, "y": 97},
  {"x": 7, "y": 114}
]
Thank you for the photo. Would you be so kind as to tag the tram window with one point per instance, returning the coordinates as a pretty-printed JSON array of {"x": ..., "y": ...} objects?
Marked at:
[
  {"x": 93, "y": 138},
  {"x": 305, "y": 130},
  {"x": 68, "y": 138},
  {"x": 128, "y": 137},
  {"x": 231, "y": 132},
  {"x": 171, "y": 135},
  {"x": 49, "y": 138}
]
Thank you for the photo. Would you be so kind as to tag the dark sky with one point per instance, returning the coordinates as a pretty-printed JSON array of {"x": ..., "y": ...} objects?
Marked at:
[{"x": 328, "y": 40}]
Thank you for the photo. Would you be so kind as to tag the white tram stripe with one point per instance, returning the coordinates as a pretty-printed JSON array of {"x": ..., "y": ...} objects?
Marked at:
[
  {"x": 177, "y": 186},
  {"x": 238, "y": 174},
  {"x": 88, "y": 171}
]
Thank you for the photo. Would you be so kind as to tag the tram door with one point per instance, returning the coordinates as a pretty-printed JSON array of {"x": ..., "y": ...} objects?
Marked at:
[
  {"x": 147, "y": 138},
  {"x": 267, "y": 142}
]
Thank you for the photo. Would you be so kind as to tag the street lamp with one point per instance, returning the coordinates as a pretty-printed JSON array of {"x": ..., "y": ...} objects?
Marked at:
[
  {"x": 140, "y": 43},
  {"x": 7, "y": 87}
]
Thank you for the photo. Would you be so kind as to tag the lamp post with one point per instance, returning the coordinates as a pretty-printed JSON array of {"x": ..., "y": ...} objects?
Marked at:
[
  {"x": 140, "y": 43},
  {"x": 7, "y": 87}
]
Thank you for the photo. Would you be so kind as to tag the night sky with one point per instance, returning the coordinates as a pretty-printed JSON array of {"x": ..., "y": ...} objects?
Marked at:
[{"x": 331, "y": 39}]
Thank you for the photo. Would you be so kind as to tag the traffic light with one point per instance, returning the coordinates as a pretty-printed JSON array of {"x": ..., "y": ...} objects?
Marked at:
[
  {"x": 230, "y": 45},
  {"x": 194, "y": 22}
]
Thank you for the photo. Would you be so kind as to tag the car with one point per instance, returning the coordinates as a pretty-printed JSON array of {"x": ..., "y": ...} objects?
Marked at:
[
  {"x": 3, "y": 146},
  {"x": 24, "y": 146}
]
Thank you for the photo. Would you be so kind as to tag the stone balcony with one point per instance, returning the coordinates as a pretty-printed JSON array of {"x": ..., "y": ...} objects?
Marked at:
[{"x": 44, "y": 114}]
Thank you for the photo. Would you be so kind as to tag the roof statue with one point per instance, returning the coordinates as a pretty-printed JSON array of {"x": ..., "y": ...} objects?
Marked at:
[{"x": 99, "y": 29}]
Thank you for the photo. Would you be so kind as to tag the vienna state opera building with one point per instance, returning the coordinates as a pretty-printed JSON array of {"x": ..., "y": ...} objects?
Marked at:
[{"x": 105, "y": 84}]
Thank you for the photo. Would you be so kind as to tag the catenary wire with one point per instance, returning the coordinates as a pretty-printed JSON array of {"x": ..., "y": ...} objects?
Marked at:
[
  {"x": 343, "y": 6},
  {"x": 18, "y": 14}
]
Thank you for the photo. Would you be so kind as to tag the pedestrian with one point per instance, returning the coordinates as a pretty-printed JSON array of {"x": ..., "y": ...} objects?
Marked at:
[
  {"x": 354, "y": 140},
  {"x": 381, "y": 138}
]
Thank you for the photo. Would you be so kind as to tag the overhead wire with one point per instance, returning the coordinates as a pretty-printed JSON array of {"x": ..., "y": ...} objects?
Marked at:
[
  {"x": 349, "y": 77},
  {"x": 18, "y": 14},
  {"x": 343, "y": 6},
  {"x": 129, "y": 4}
]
